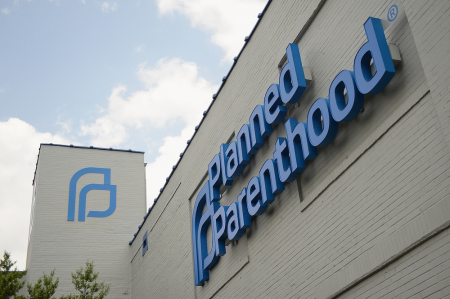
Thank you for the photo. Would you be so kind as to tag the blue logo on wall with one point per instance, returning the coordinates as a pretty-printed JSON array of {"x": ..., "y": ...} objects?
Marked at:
[
  {"x": 300, "y": 144},
  {"x": 82, "y": 200}
]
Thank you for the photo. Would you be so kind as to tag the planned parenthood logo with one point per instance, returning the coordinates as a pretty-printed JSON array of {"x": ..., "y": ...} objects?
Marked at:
[
  {"x": 82, "y": 198},
  {"x": 291, "y": 152}
]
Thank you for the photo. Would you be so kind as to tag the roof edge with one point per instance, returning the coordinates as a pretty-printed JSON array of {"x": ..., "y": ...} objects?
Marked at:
[
  {"x": 79, "y": 146},
  {"x": 246, "y": 40},
  {"x": 94, "y": 147}
]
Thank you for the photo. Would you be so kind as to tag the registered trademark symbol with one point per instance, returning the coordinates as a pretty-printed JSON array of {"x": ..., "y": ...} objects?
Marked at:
[{"x": 392, "y": 13}]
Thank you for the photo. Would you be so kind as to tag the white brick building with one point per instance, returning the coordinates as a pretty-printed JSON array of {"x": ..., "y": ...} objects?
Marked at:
[
  {"x": 65, "y": 245},
  {"x": 367, "y": 218}
]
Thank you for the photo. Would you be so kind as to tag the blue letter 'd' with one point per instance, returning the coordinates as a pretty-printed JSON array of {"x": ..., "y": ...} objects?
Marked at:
[
  {"x": 377, "y": 49},
  {"x": 292, "y": 79}
]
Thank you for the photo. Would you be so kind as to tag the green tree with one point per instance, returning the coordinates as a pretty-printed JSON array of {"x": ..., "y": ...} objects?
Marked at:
[
  {"x": 44, "y": 288},
  {"x": 10, "y": 280},
  {"x": 85, "y": 282}
]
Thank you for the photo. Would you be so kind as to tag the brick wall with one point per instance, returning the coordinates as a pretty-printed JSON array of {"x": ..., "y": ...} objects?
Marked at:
[
  {"x": 372, "y": 200},
  {"x": 66, "y": 245}
]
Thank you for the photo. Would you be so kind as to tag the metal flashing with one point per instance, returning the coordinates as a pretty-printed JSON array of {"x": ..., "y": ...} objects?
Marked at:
[{"x": 79, "y": 146}]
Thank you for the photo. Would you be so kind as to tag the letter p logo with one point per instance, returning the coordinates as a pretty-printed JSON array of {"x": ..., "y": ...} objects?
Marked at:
[{"x": 82, "y": 205}]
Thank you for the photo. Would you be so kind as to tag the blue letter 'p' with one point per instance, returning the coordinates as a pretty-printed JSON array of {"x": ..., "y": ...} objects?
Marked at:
[
  {"x": 82, "y": 202},
  {"x": 200, "y": 223}
]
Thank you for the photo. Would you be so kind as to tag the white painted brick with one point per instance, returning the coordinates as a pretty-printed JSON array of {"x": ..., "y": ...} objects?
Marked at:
[
  {"x": 66, "y": 245},
  {"x": 379, "y": 180}
]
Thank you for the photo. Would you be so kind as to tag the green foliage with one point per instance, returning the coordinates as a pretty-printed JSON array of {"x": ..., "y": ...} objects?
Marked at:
[
  {"x": 10, "y": 280},
  {"x": 85, "y": 282},
  {"x": 44, "y": 288}
]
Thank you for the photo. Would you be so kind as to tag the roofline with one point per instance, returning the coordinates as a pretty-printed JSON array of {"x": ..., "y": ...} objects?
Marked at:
[
  {"x": 224, "y": 80},
  {"x": 79, "y": 146},
  {"x": 94, "y": 147}
]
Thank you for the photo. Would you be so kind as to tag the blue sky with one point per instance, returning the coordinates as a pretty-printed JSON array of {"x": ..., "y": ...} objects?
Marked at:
[
  {"x": 60, "y": 58},
  {"x": 123, "y": 74}
]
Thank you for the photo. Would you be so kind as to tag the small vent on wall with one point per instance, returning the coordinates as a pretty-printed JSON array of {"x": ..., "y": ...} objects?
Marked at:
[{"x": 144, "y": 243}]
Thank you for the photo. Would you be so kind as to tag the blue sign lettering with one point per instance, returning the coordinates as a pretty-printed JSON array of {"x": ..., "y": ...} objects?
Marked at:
[
  {"x": 290, "y": 152},
  {"x": 376, "y": 49}
]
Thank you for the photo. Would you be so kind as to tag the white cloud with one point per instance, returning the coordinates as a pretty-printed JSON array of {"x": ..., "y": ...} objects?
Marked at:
[
  {"x": 106, "y": 131},
  {"x": 66, "y": 126},
  {"x": 19, "y": 144},
  {"x": 159, "y": 170},
  {"x": 138, "y": 49},
  {"x": 109, "y": 7},
  {"x": 228, "y": 22},
  {"x": 173, "y": 91},
  {"x": 6, "y": 11}
]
